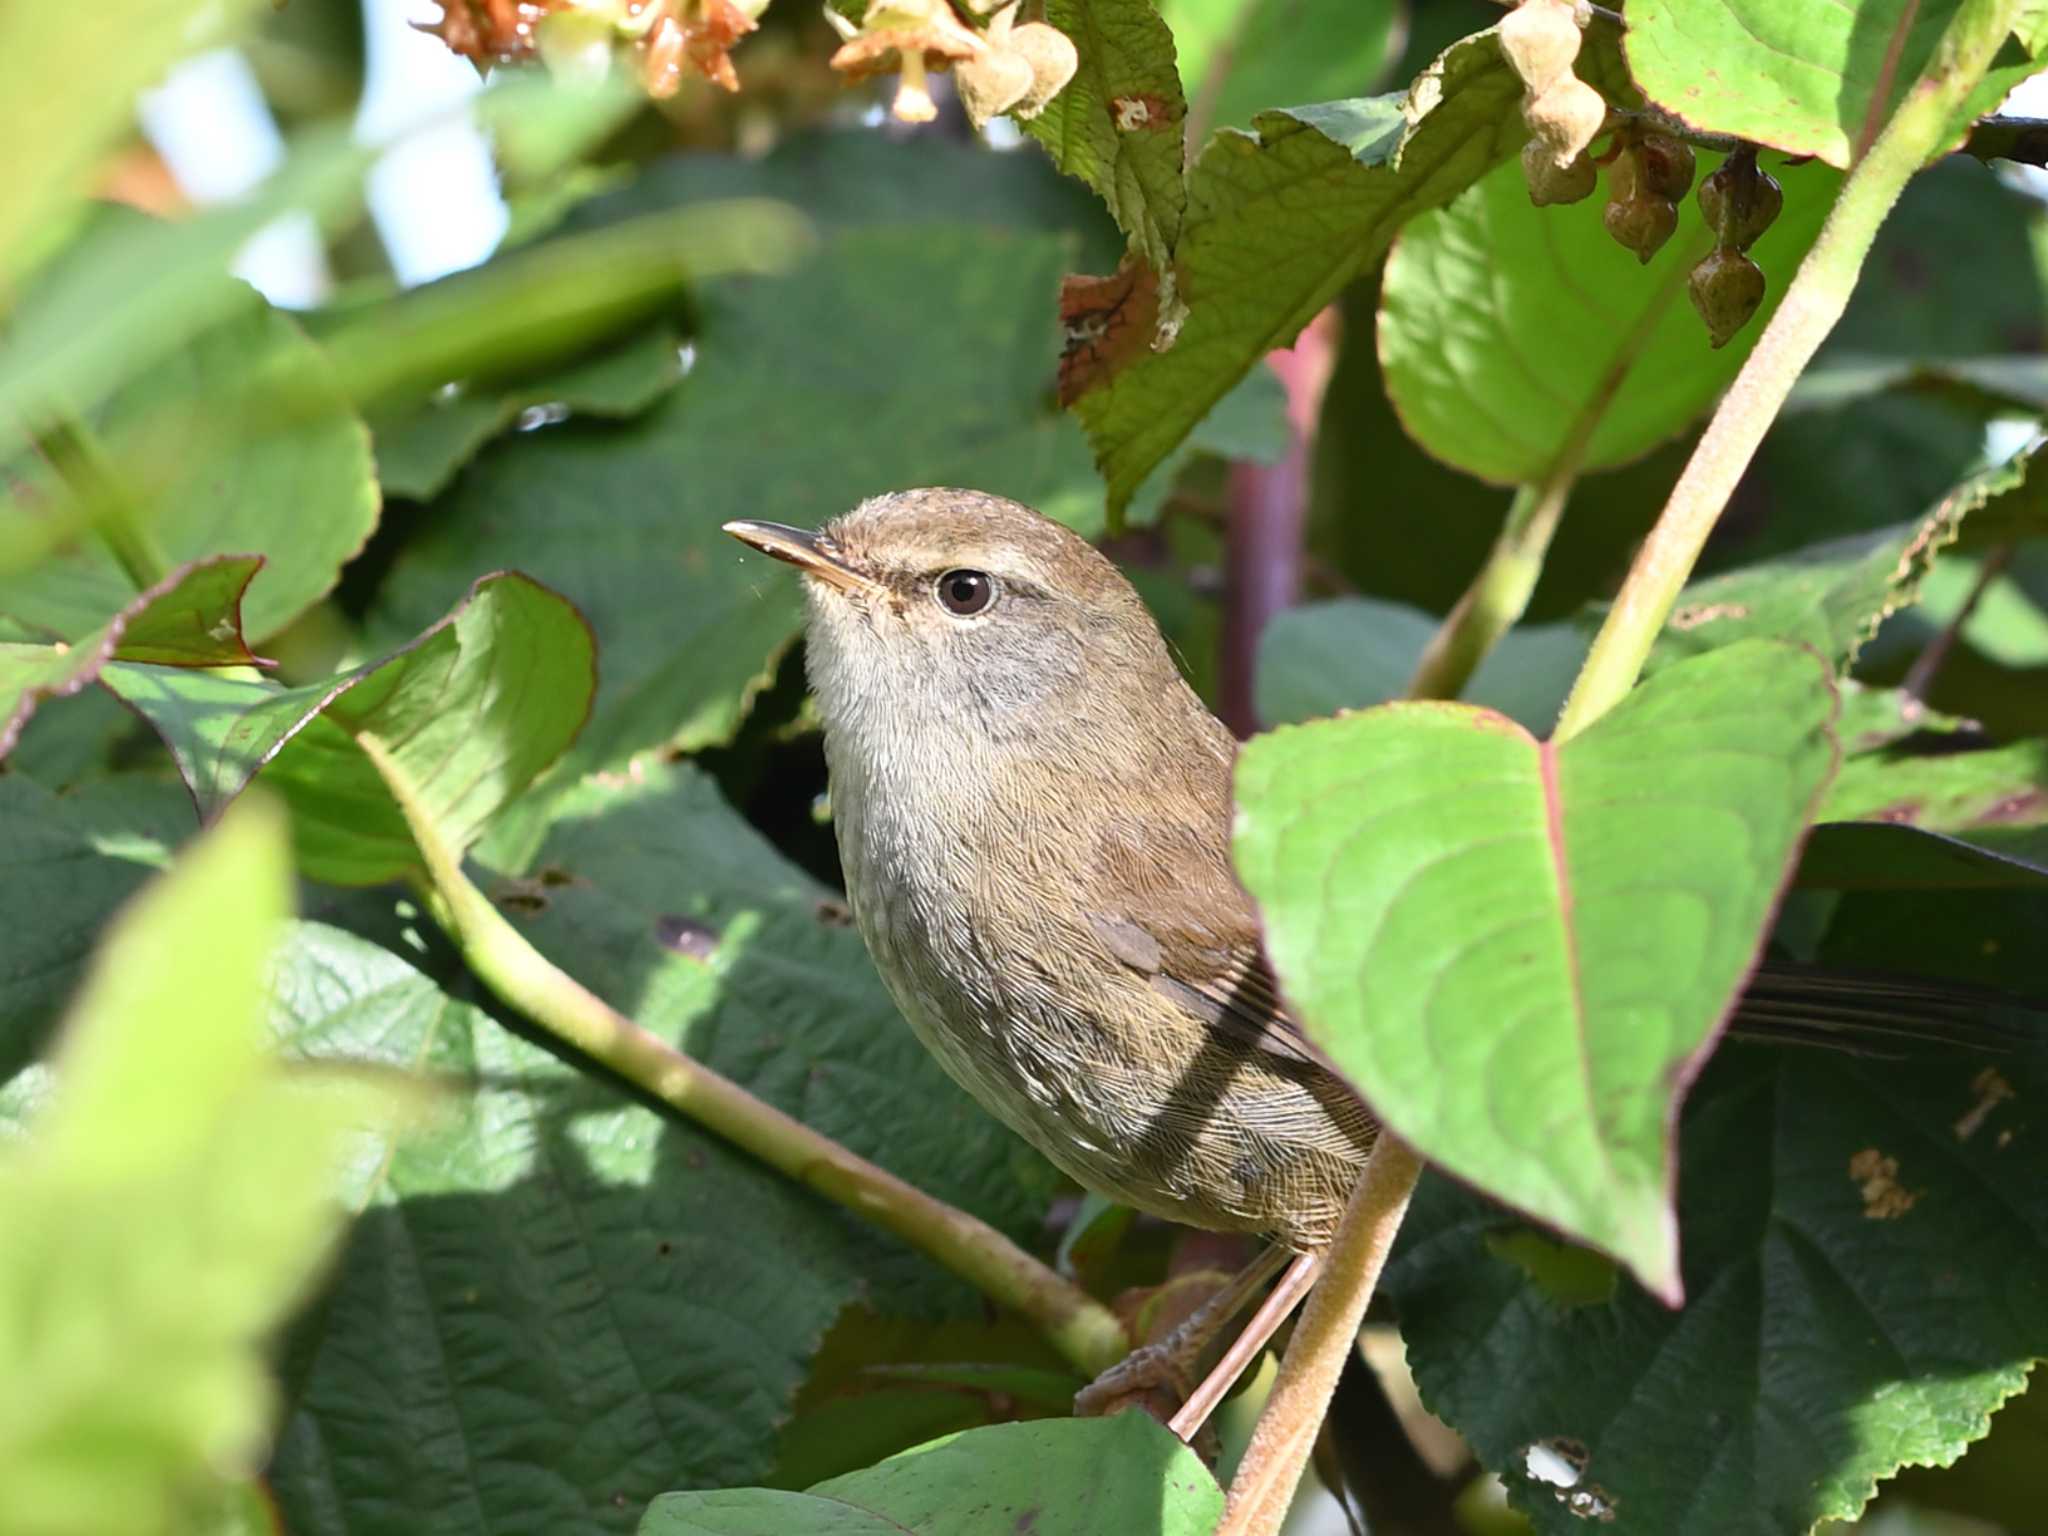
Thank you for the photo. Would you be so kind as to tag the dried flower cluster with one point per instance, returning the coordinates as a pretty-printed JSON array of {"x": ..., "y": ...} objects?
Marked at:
[
  {"x": 664, "y": 38},
  {"x": 1648, "y": 170},
  {"x": 1007, "y": 66},
  {"x": 1541, "y": 39}
]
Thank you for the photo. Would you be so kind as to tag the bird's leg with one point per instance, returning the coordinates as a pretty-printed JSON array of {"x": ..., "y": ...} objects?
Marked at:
[
  {"x": 1295, "y": 1284},
  {"x": 1170, "y": 1361}
]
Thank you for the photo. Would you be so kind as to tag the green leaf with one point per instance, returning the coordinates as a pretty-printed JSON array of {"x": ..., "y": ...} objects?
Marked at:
[
  {"x": 423, "y": 446},
  {"x": 1866, "y": 1257},
  {"x": 217, "y": 467},
  {"x": 778, "y": 419},
  {"x": 65, "y": 96},
  {"x": 131, "y": 291},
  {"x": 192, "y": 618},
  {"x": 1277, "y": 223},
  {"x": 1058, "y": 1477},
  {"x": 1808, "y": 80},
  {"x": 1242, "y": 57},
  {"x": 1354, "y": 652},
  {"x": 1456, "y": 907},
  {"x": 70, "y": 861},
  {"x": 473, "y": 709},
  {"x": 1832, "y": 597},
  {"x": 561, "y": 1301},
  {"x": 1990, "y": 808},
  {"x": 1885, "y": 856},
  {"x": 169, "y": 1203},
  {"x": 1511, "y": 334},
  {"x": 1948, "y": 792},
  {"x": 1118, "y": 125},
  {"x": 1370, "y": 477}
]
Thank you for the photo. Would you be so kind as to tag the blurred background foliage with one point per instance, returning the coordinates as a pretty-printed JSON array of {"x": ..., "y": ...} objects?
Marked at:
[{"x": 477, "y": 328}]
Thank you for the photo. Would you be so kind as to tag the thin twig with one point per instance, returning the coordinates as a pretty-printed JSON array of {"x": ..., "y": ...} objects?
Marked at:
[
  {"x": 1920, "y": 676},
  {"x": 1084, "y": 1331}
]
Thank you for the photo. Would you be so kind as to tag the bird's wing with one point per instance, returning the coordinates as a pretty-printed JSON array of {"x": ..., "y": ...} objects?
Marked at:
[{"x": 1181, "y": 920}]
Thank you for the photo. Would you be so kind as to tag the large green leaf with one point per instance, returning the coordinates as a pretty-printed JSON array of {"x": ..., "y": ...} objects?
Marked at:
[
  {"x": 192, "y": 618},
  {"x": 216, "y": 468},
  {"x": 1242, "y": 57},
  {"x": 1059, "y": 1477},
  {"x": 1510, "y": 331},
  {"x": 168, "y": 1204},
  {"x": 1866, "y": 1257},
  {"x": 1119, "y": 124},
  {"x": 1812, "y": 80},
  {"x": 779, "y": 419},
  {"x": 70, "y": 861},
  {"x": 562, "y": 1301},
  {"x": 473, "y": 710},
  {"x": 1520, "y": 953},
  {"x": 1277, "y": 223}
]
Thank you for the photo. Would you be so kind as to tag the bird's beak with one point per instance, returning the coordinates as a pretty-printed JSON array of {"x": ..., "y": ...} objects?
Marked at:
[{"x": 811, "y": 553}]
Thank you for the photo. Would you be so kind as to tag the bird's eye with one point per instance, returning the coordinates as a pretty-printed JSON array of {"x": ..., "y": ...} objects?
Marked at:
[{"x": 965, "y": 593}]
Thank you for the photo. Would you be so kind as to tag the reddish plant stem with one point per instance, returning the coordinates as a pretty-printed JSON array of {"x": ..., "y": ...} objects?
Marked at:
[{"x": 1268, "y": 523}]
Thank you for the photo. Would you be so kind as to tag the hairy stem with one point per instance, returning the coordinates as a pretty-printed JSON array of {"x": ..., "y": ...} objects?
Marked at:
[
  {"x": 1814, "y": 302},
  {"x": 1264, "y": 1486},
  {"x": 1083, "y": 1330}
]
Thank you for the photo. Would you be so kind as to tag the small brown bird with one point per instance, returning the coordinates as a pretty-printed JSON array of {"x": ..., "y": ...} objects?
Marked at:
[{"x": 1033, "y": 810}]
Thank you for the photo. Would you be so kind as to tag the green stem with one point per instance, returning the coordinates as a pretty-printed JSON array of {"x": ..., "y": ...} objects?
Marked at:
[
  {"x": 1498, "y": 596},
  {"x": 1814, "y": 302},
  {"x": 1263, "y": 1489},
  {"x": 75, "y": 453},
  {"x": 1083, "y": 1330}
]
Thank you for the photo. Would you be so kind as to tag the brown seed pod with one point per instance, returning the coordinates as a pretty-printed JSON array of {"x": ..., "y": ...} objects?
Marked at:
[
  {"x": 1666, "y": 165},
  {"x": 1640, "y": 224},
  {"x": 1726, "y": 289},
  {"x": 1740, "y": 201},
  {"x": 1548, "y": 184},
  {"x": 1566, "y": 118},
  {"x": 1540, "y": 39}
]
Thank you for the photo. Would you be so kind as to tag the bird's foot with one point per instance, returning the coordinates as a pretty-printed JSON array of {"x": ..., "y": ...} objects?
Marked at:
[{"x": 1155, "y": 1378}]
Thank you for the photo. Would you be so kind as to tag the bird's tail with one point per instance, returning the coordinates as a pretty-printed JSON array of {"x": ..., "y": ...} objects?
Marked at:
[{"x": 1875, "y": 1014}]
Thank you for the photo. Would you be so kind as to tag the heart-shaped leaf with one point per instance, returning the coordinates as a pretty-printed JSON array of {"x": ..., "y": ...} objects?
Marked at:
[
  {"x": 1520, "y": 953},
  {"x": 473, "y": 710}
]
